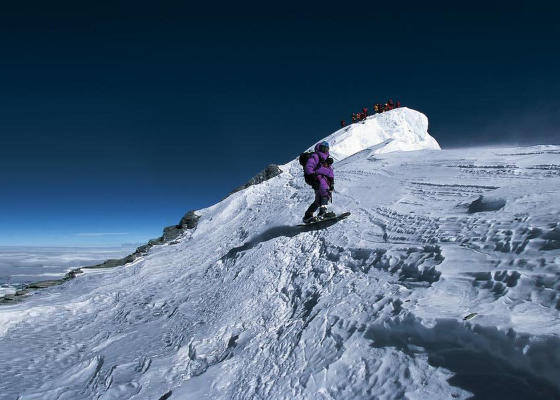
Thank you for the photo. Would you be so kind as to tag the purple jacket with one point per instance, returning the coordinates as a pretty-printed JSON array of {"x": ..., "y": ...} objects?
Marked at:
[
  {"x": 324, "y": 181},
  {"x": 325, "y": 171},
  {"x": 314, "y": 162},
  {"x": 325, "y": 175}
]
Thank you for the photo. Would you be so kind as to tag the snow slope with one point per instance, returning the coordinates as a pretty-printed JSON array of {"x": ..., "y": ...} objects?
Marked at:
[{"x": 378, "y": 306}]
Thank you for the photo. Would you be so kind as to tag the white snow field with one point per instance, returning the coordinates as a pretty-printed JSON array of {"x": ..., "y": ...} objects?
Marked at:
[{"x": 442, "y": 284}]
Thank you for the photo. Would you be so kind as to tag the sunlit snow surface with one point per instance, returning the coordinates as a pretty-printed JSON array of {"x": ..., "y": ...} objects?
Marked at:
[{"x": 248, "y": 306}]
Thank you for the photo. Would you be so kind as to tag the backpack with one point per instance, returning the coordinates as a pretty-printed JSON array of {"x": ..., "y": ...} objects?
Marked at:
[
  {"x": 309, "y": 179},
  {"x": 303, "y": 157}
]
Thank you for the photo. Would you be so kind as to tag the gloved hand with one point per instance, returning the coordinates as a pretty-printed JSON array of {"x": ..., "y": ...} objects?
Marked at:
[{"x": 316, "y": 182}]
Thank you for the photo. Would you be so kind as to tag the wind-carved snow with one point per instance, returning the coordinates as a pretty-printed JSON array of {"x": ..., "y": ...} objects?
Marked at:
[{"x": 411, "y": 297}]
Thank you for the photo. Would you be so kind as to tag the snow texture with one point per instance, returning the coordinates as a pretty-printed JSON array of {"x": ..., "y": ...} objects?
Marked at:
[{"x": 411, "y": 297}]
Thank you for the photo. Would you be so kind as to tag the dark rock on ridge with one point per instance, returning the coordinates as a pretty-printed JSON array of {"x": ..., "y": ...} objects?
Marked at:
[
  {"x": 268, "y": 173},
  {"x": 170, "y": 233},
  {"x": 189, "y": 220},
  {"x": 10, "y": 298}
]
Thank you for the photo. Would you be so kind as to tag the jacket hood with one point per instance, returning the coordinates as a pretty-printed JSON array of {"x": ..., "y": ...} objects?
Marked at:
[{"x": 322, "y": 156}]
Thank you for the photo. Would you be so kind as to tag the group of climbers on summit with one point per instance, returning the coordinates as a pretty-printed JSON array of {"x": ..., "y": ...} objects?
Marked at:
[{"x": 377, "y": 108}]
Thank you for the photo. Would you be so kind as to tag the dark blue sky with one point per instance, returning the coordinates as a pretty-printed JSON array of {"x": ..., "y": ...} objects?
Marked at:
[{"x": 117, "y": 118}]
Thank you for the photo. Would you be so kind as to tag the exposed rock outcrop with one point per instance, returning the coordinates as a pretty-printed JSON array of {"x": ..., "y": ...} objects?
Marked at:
[
  {"x": 170, "y": 233},
  {"x": 189, "y": 220},
  {"x": 268, "y": 173}
]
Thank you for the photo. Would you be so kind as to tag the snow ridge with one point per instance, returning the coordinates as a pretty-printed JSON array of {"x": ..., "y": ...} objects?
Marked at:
[
  {"x": 411, "y": 297},
  {"x": 401, "y": 129}
]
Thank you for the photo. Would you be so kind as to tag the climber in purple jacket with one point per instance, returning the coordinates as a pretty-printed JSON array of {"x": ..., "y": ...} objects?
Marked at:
[{"x": 318, "y": 170}]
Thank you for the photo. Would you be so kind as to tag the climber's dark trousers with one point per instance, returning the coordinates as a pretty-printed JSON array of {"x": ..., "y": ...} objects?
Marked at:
[{"x": 319, "y": 201}]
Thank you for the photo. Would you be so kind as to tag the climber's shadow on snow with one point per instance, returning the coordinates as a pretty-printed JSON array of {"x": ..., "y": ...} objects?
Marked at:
[{"x": 276, "y": 232}]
